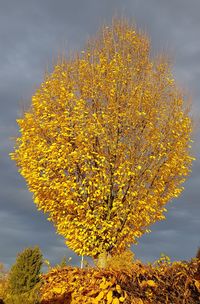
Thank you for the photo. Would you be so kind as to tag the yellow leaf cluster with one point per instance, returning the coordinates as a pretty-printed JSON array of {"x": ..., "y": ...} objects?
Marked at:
[
  {"x": 96, "y": 288},
  {"x": 106, "y": 142}
]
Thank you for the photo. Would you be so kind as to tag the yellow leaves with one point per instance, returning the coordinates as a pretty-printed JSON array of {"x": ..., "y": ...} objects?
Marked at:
[
  {"x": 115, "y": 301},
  {"x": 112, "y": 92},
  {"x": 197, "y": 284},
  {"x": 170, "y": 81},
  {"x": 85, "y": 285},
  {"x": 113, "y": 239},
  {"x": 118, "y": 288},
  {"x": 141, "y": 113},
  {"x": 99, "y": 297},
  {"x": 100, "y": 137},
  {"x": 109, "y": 297},
  {"x": 149, "y": 283},
  {"x": 148, "y": 287},
  {"x": 57, "y": 290},
  {"x": 105, "y": 284},
  {"x": 121, "y": 299}
]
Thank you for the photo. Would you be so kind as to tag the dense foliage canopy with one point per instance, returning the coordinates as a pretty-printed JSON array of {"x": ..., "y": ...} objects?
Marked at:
[{"x": 106, "y": 142}]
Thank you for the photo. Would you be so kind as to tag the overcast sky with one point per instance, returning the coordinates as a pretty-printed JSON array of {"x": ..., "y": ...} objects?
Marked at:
[{"x": 32, "y": 33}]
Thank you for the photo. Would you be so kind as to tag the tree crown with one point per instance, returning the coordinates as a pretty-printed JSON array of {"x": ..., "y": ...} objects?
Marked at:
[{"x": 106, "y": 143}]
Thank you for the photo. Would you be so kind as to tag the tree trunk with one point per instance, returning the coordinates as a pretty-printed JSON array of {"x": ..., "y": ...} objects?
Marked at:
[{"x": 102, "y": 260}]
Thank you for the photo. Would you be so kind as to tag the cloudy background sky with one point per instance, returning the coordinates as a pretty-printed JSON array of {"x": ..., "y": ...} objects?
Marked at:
[{"x": 32, "y": 33}]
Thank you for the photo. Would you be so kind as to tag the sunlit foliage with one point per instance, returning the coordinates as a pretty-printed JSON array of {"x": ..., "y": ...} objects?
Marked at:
[
  {"x": 176, "y": 283},
  {"x": 106, "y": 142}
]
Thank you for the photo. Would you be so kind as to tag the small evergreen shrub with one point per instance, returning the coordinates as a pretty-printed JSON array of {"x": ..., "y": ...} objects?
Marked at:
[{"x": 24, "y": 277}]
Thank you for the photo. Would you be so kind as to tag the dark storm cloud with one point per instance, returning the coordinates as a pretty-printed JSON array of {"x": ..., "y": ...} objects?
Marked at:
[
  {"x": 32, "y": 34},
  {"x": 23, "y": 231}
]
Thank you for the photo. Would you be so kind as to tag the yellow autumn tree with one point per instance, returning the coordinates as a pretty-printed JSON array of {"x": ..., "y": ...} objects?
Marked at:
[{"x": 106, "y": 142}]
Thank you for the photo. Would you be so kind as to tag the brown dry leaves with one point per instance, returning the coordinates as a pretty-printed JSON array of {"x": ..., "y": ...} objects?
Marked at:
[{"x": 175, "y": 283}]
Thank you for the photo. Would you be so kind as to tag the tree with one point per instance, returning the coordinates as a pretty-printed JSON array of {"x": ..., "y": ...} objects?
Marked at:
[
  {"x": 106, "y": 142},
  {"x": 24, "y": 274}
]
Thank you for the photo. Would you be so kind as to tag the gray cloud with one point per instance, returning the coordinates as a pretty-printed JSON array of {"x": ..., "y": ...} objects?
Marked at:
[{"x": 32, "y": 33}]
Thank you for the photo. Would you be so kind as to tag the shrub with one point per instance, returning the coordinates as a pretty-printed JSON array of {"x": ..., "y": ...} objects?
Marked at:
[
  {"x": 24, "y": 277},
  {"x": 165, "y": 282}
]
